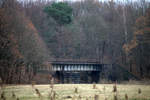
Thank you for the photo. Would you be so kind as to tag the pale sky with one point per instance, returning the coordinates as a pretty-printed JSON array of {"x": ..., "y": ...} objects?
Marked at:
[
  {"x": 99, "y": 0},
  {"x": 104, "y": 0}
]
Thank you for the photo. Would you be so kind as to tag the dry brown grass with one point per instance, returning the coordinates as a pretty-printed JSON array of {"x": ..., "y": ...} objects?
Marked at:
[{"x": 76, "y": 92}]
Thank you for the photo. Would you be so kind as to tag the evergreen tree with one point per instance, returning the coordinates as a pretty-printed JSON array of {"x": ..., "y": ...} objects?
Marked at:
[{"x": 60, "y": 12}]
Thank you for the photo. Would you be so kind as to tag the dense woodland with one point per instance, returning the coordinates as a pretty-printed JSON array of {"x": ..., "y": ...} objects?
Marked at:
[{"x": 111, "y": 32}]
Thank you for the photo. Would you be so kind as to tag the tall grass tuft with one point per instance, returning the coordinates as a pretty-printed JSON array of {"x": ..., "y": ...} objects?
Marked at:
[
  {"x": 126, "y": 97},
  {"x": 115, "y": 88},
  {"x": 52, "y": 95},
  {"x": 38, "y": 93},
  {"x": 2, "y": 97},
  {"x": 115, "y": 97},
  {"x": 51, "y": 83},
  {"x": 2, "y": 93},
  {"x": 17, "y": 99},
  {"x": 33, "y": 84},
  {"x": 96, "y": 97},
  {"x": 79, "y": 98},
  {"x": 13, "y": 95},
  {"x": 139, "y": 91},
  {"x": 76, "y": 90},
  {"x": 36, "y": 90},
  {"x": 94, "y": 86}
]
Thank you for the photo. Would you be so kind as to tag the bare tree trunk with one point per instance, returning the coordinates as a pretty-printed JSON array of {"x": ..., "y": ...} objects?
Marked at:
[
  {"x": 143, "y": 6},
  {"x": 125, "y": 29},
  {"x": 103, "y": 48},
  {"x": 125, "y": 26}
]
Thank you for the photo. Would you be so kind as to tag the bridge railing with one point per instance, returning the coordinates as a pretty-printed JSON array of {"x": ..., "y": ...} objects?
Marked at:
[{"x": 74, "y": 61}]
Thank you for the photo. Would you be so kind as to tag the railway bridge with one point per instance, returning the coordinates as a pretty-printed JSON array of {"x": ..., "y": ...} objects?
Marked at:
[{"x": 77, "y": 71}]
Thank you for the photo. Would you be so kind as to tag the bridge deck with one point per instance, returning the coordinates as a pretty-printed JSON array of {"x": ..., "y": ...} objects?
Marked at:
[{"x": 76, "y": 67}]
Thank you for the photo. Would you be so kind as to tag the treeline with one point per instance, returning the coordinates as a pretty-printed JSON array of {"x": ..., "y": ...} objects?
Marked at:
[
  {"x": 105, "y": 31},
  {"x": 111, "y": 32}
]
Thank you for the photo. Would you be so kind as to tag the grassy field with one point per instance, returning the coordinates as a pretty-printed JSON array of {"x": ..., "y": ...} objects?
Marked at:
[{"x": 77, "y": 92}]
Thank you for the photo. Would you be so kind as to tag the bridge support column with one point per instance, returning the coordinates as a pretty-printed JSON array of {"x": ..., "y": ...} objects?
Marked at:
[
  {"x": 60, "y": 76},
  {"x": 95, "y": 76}
]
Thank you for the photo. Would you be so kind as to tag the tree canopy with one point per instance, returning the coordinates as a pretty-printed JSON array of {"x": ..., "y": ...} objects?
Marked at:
[{"x": 61, "y": 12}]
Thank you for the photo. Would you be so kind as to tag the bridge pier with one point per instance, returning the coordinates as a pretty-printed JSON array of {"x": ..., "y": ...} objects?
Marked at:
[
  {"x": 59, "y": 76},
  {"x": 95, "y": 76}
]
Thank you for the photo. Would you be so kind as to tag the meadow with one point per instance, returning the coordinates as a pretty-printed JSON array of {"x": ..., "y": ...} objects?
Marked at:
[{"x": 76, "y": 92}]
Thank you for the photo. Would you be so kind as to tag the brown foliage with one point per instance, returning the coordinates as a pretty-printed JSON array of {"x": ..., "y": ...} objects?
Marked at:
[
  {"x": 20, "y": 43},
  {"x": 137, "y": 50}
]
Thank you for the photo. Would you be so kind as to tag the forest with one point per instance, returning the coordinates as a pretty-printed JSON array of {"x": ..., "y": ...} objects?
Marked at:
[{"x": 114, "y": 32}]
